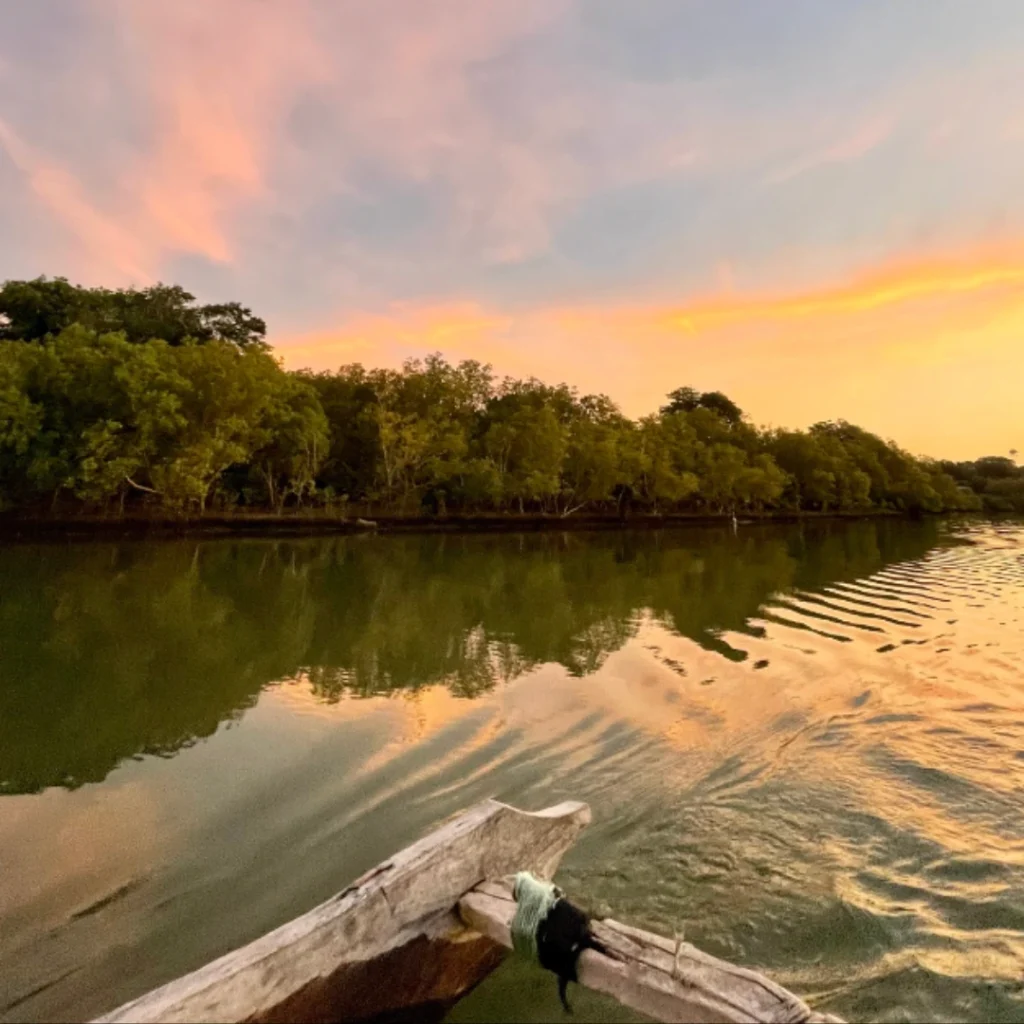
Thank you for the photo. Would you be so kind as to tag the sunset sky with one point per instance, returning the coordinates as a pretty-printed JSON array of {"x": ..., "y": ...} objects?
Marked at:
[{"x": 816, "y": 206}]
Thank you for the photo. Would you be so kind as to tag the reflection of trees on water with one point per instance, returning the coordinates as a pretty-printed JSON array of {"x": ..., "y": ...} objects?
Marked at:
[{"x": 112, "y": 651}]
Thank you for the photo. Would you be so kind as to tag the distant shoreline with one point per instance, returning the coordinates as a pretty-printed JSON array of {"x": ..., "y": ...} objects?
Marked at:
[{"x": 307, "y": 525}]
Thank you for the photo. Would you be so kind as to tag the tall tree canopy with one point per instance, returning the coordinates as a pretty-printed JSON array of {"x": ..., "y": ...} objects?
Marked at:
[
  {"x": 33, "y": 310},
  {"x": 688, "y": 399}
]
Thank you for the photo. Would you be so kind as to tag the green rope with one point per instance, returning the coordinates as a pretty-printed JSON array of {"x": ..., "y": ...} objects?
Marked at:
[{"x": 534, "y": 899}]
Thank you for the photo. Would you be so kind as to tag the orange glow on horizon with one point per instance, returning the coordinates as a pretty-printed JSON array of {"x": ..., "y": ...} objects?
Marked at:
[
  {"x": 459, "y": 323},
  {"x": 448, "y": 327},
  {"x": 891, "y": 348},
  {"x": 898, "y": 283}
]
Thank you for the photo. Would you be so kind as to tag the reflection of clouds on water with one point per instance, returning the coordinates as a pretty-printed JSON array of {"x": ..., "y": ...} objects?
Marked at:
[
  {"x": 68, "y": 855},
  {"x": 71, "y": 861}
]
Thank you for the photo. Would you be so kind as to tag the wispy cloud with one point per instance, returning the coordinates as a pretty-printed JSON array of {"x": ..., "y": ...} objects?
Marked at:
[
  {"x": 104, "y": 240},
  {"x": 217, "y": 130},
  {"x": 846, "y": 149},
  {"x": 220, "y": 80},
  {"x": 395, "y": 90},
  {"x": 214, "y": 102},
  {"x": 995, "y": 272},
  {"x": 902, "y": 282}
]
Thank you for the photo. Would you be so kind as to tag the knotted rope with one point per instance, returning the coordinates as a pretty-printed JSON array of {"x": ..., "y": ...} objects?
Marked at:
[{"x": 534, "y": 899}]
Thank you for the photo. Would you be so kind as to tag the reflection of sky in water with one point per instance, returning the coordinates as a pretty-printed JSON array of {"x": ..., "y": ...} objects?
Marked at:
[{"x": 802, "y": 745}]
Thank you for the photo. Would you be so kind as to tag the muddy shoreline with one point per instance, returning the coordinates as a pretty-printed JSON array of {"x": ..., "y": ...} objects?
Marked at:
[{"x": 300, "y": 525}]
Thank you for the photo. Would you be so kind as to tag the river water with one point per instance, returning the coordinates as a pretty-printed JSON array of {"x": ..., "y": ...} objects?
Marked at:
[{"x": 803, "y": 747}]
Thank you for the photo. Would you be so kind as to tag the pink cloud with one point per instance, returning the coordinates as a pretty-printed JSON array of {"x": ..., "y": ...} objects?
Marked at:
[
  {"x": 219, "y": 164},
  {"x": 394, "y": 84},
  {"x": 220, "y": 80},
  {"x": 420, "y": 93},
  {"x": 405, "y": 96},
  {"x": 861, "y": 142},
  {"x": 99, "y": 235},
  {"x": 847, "y": 149},
  {"x": 216, "y": 83}
]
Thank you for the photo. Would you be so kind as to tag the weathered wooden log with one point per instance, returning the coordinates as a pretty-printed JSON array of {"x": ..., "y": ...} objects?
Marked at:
[
  {"x": 387, "y": 947},
  {"x": 665, "y": 980}
]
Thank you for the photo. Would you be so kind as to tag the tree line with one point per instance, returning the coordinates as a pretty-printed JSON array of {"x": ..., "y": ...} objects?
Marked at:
[{"x": 142, "y": 399}]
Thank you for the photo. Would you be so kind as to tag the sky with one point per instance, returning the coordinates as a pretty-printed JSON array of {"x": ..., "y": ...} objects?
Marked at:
[{"x": 815, "y": 207}]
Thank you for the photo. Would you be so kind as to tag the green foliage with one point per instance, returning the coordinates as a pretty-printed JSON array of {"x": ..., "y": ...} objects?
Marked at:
[
  {"x": 526, "y": 443},
  {"x": 994, "y": 483},
  {"x": 100, "y": 418},
  {"x": 293, "y": 439},
  {"x": 668, "y": 458},
  {"x": 688, "y": 400},
  {"x": 142, "y": 398},
  {"x": 595, "y": 462},
  {"x": 349, "y": 402},
  {"x": 34, "y": 310}
]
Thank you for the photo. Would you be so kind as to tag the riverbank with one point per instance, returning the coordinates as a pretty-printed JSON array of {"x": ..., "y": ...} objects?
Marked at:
[{"x": 314, "y": 524}]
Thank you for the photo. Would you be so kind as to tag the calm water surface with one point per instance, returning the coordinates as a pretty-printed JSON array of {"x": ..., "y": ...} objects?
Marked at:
[{"x": 804, "y": 747}]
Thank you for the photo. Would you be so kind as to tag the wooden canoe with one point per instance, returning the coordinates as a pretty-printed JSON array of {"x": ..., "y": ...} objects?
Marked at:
[{"x": 412, "y": 936}]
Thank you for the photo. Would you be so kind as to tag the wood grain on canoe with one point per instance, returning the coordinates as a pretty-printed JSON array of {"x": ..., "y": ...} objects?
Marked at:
[{"x": 388, "y": 941}]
